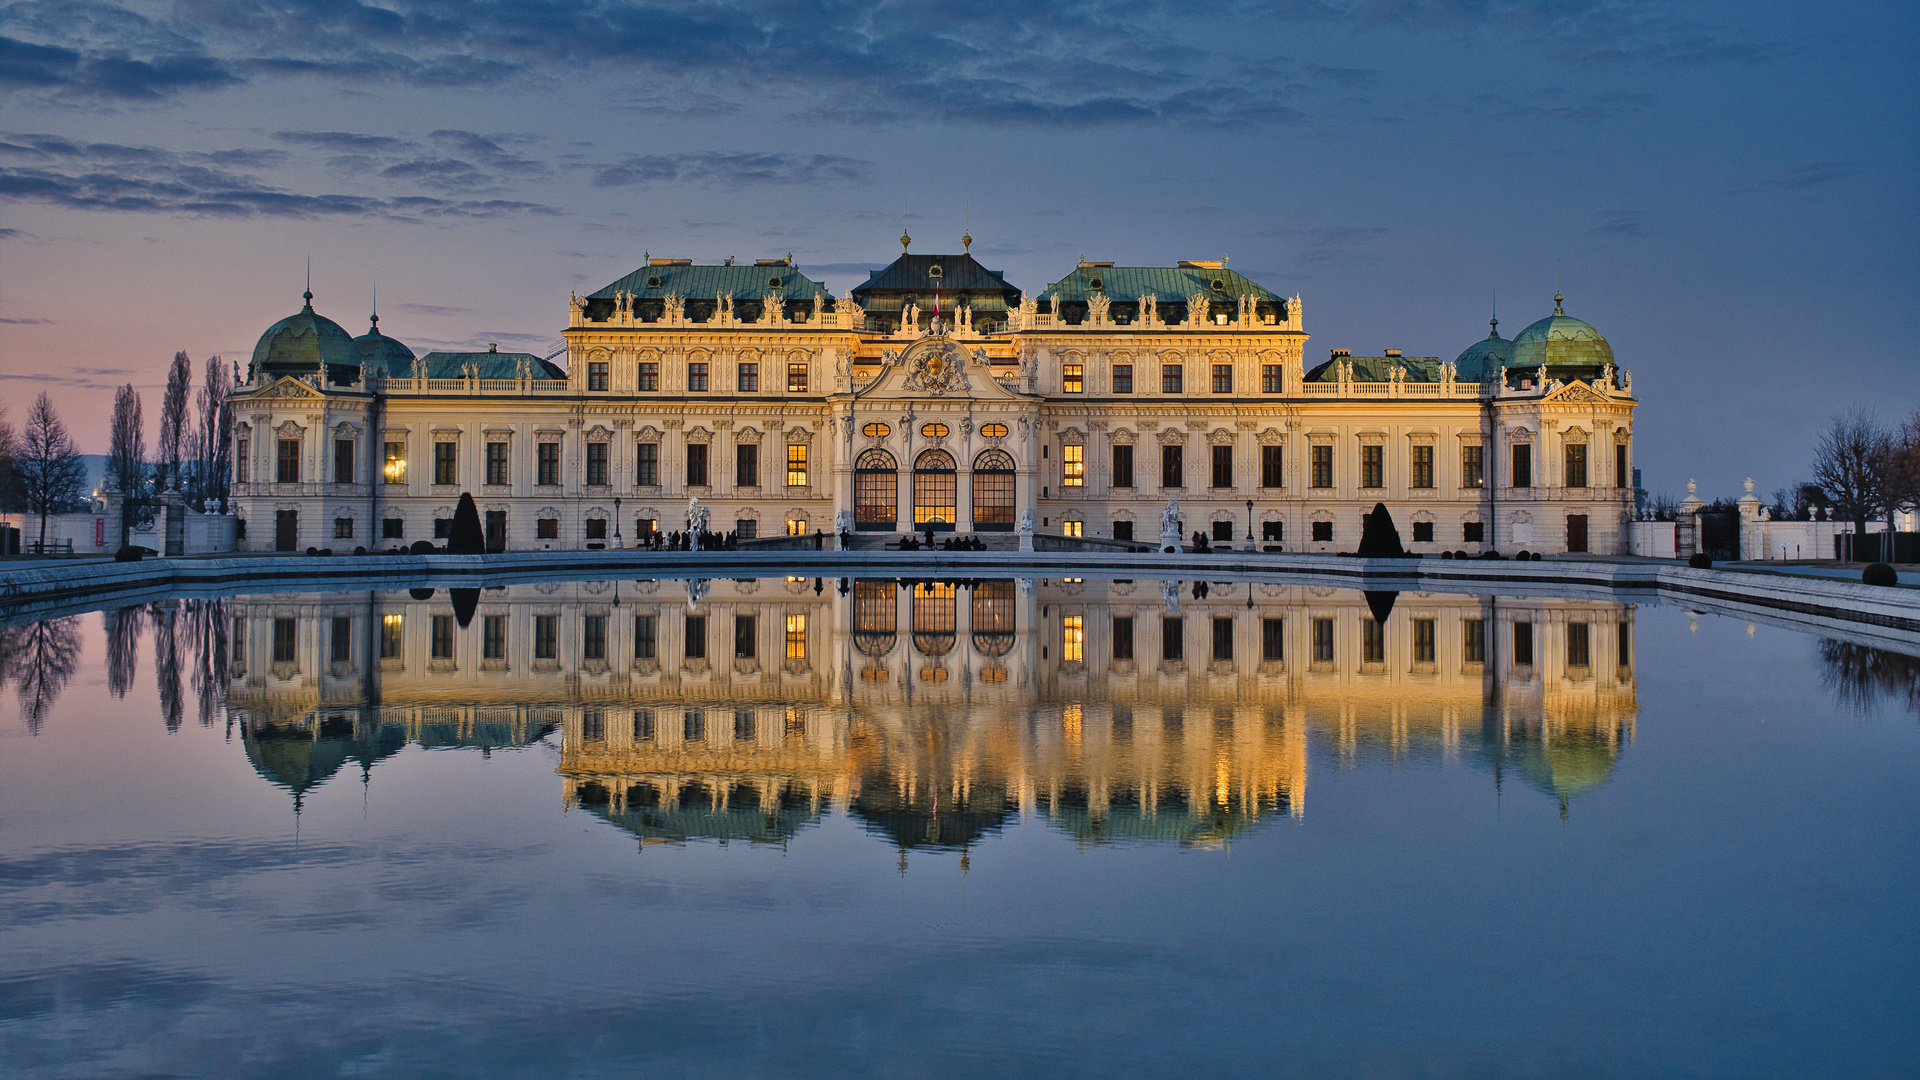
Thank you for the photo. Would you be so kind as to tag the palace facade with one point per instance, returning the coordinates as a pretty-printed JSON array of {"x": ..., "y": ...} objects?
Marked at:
[{"x": 935, "y": 396}]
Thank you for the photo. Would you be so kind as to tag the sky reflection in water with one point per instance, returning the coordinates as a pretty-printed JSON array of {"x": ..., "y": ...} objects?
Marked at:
[{"x": 913, "y": 830}]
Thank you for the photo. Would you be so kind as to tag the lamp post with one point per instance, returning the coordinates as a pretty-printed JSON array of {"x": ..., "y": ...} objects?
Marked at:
[
  {"x": 1250, "y": 546},
  {"x": 617, "y": 545}
]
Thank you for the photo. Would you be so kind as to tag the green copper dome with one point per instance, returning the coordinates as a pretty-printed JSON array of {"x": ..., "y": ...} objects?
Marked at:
[
  {"x": 382, "y": 356},
  {"x": 297, "y": 344},
  {"x": 1484, "y": 357},
  {"x": 1561, "y": 341}
]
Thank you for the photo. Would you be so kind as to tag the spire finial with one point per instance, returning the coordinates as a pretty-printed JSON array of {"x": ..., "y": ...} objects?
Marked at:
[
  {"x": 1493, "y": 324},
  {"x": 308, "y": 295},
  {"x": 1556, "y": 304},
  {"x": 966, "y": 228},
  {"x": 376, "y": 308},
  {"x": 905, "y": 240}
]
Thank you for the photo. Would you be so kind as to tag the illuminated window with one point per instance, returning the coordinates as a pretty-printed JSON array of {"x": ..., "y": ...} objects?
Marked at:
[
  {"x": 1070, "y": 379},
  {"x": 390, "y": 628},
  {"x": 876, "y": 431},
  {"x": 796, "y": 465},
  {"x": 934, "y": 431},
  {"x": 796, "y": 526},
  {"x": 796, "y": 637},
  {"x": 1073, "y": 465},
  {"x": 1073, "y": 639},
  {"x": 1072, "y": 528},
  {"x": 994, "y": 431},
  {"x": 796, "y": 378}
]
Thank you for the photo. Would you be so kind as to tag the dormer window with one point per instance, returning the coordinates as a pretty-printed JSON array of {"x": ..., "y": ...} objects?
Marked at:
[
  {"x": 1219, "y": 285},
  {"x": 653, "y": 282},
  {"x": 773, "y": 283},
  {"x": 935, "y": 271}
]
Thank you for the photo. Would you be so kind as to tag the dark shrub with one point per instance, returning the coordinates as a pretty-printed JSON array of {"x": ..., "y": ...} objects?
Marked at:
[
  {"x": 467, "y": 538},
  {"x": 130, "y": 553},
  {"x": 1378, "y": 537},
  {"x": 1699, "y": 561},
  {"x": 1523, "y": 555},
  {"x": 359, "y": 551},
  {"x": 1446, "y": 554},
  {"x": 1879, "y": 574},
  {"x": 1536, "y": 556},
  {"x": 313, "y": 551},
  {"x": 423, "y": 547}
]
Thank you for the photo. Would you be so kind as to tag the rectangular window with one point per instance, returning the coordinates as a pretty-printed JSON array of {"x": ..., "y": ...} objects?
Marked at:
[
  {"x": 1223, "y": 378},
  {"x": 696, "y": 464},
  {"x": 1373, "y": 466},
  {"x": 343, "y": 461},
  {"x": 593, "y": 637},
  {"x": 1473, "y": 641},
  {"x": 1523, "y": 644},
  {"x": 1223, "y": 639},
  {"x": 395, "y": 466},
  {"x": 693, "y": 726},
  {"x": 596, "y": 464},
  {"x": 596, "y": 375},
  {"x": 442, "y": 637},
  {"x": 749, "y": 379},
  {"x": 1423, "y": 641},
  {"x": 597, "y": 528},
  {"x": 1271, "y": 380},
  {"x": 442, "y": 528},
  {"x": 1123, "y": 378},
  {"x": 1423, "y": 532},
  {"x": 1171, "y": 378},
  {"x": 496, "y": 463},
  {"x": 697, "y": 378},
  {"x": 649, "y": 375},
  {"x": 342, "y": 639},
  {"x": 1123, "y": 466},
  {"x": 1073, "y": 465},
  {"x": 548, "y": 458},
  {"x": 796, "y": 378},
  {"x": 1625, "y": 643},
  {"x": 796, "y": 465},
  {"x": 1472, "y": 471},
  {"x": 1123, "y": 530},
  {"x": 796, "y": 637},
  {"x": 1173, "y": 639},
  {"x": 1272, "y": 475},
  {"x": 746, "y": 465},
  {"x": 1523, "y": 466},
  {"x": 1223, "y": 530},
  {"x": 1576, "y": 454},
  {"x": 696, "y": 637},
  {"x": 1122, "y": 638},
  {"x": 1620, "y": 476},
  {"x": 1323, "y": 532},
  {"x": 1273, "y": 639},
  {"x": 646, "y": 464},
  {"x": 393, "y": 529},
  {"x": 287, "y": 469},
  {"x": 546, "y": 529},
  {"x": 1373, "y": 642},
  {"x": 746, "y": 528},
  {"x": 743, "y": 725},
  {"x": 243, "y": 459},
  {"x": 743, "y": 637},
  {"x": 1323, "y": 641},
  {"x": 546, "y": 637},
  {"x": 1223, "y": 466},
  {"x": 343, "y": 528},
  {"x": 1577, "y": 642},
  {"x": 446, "y": 463},
  {"x": 1472, "y": 532},
  {"x": 493, "y": 637},
  {"x": 593, "y": 725},
  {"x": 1321, "y": 460},
  {"x": 284, "y": 642},
  {"x": 390, "y": 634},
  {"x": 645, "y": 646},
  {"x": 1073, "y": 639},
  {"x": 1423, "y": 466},
  {"x": 1273, "y": 532},
  {"x": 643, "y": 725},
  {"x": 1070, "y": 378},
  {"x": 1172, "y": 467}
]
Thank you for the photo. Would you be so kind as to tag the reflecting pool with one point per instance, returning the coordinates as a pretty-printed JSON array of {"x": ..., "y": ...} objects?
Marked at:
[{"x": 831, "y": 827}]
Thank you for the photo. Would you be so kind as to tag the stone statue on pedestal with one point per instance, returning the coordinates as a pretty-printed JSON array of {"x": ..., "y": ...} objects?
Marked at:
[
  {"x": 696, "y": 521},
  {"x": 1170, "y": 526}
]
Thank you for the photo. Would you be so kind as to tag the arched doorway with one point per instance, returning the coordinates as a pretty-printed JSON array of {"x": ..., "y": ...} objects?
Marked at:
[
  {"x": 993, "y": 492},
  {"x": 934, "y": 487},
  {"x": 876, "y": 492}
]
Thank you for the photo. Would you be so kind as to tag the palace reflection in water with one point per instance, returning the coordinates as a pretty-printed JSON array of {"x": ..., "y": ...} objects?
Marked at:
[{"x": 935, "y": 712}]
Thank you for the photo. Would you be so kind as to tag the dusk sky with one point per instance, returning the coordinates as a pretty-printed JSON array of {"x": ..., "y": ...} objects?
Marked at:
[{"x": 1726, "y": 190}]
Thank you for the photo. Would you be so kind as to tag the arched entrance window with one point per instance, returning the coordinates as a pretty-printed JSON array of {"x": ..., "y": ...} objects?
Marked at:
[
  {"x": 993, "y": 617},
  {"x": 933, "y": 618},
  {"x": 875, "y": 617},
  {"x": 933, "y": 492},
  {"x": 876, "y": 492},
  {"x": 993, "y": 492}
]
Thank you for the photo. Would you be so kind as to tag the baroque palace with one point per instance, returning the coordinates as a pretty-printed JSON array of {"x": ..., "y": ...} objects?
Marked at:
[{"x": 935, "y": 396}]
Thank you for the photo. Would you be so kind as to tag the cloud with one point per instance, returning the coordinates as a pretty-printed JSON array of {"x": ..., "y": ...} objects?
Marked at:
[
  {"x": 732, "y": 170},
  {"x": 27, "y": 322},
  {"x": 1625, "y": 224},
  {"x": 1816, "y": 173},
  {"x": 433, "y": 309},
  {"x": 1331, "y": 242},
  {"x": 140, "y": 179},
  {"x": 345, "y": 141}
]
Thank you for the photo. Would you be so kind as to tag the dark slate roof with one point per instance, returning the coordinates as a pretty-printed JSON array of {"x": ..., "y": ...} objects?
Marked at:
[
  {"x": 380, "y": 353},
  {"x": 296, "y": 344},
  {"x": 1419, "y": 369},
  {"x": 1484, "y": 357},
  {"x": 493, "y": 365},
  {"x": 707, "y": 282},
  {"x": 987, "y": 290},
  {"x": 1169, "y": 283}
]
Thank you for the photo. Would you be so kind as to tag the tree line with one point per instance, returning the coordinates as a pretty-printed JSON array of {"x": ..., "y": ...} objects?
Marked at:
[
  {"x": 1868, "y": 471},
  {"x": 41, "y": 472}
]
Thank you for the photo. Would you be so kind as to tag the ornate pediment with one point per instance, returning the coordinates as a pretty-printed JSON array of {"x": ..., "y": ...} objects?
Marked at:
[
  {"x": 1122, "y": 436},
  {"x": 934, "y": 367},
  {"x": 1272, "y": 437},
  {"x": 1220, "y": 437},
  {"x": 1575, "y": 393},
  {"x": 289, "y": 387},
  {"x": 1172, "y": 436}
]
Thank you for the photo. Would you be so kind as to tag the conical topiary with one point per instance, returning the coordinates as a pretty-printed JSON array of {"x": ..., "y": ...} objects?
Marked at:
[
  {"x": 1378, "y": 538},
  {"x": 467, "y": 538}
]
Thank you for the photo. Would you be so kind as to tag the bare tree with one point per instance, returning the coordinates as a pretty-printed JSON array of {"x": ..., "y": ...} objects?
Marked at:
[
  {"x": 173, "y": 421},
  {"x": 127, "y": 454},
  {"x": 1850, "y": 464},
  {"x": 9, "y": 443},
  {"x": 49, "y": 468},
  {"x": 123, "y": 627},
  {"x": 40, "y": 657},
  {"x": 210, "y": 443},
  {"x": 1903, "y": 467}
]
